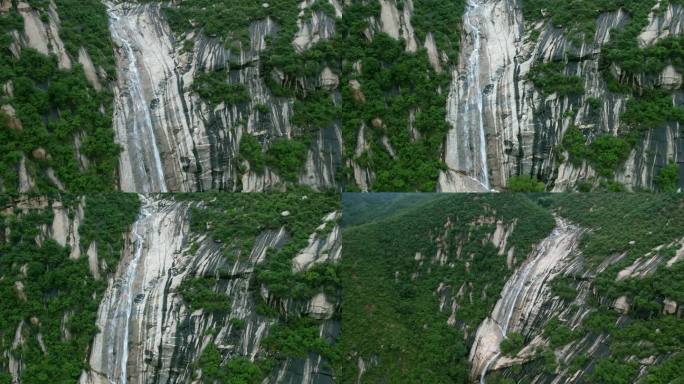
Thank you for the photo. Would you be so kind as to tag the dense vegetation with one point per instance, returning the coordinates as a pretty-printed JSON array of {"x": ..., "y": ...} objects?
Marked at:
[
  {"x": 235, "y": 221},
  {"x": 392, "y": 318},
  {"x": 54, "y": 106},
  {"x": 52, "y": 298},
  {"x": 525, "y": 184},
  {"x": 649, "y": 106},
  {"x": 393, "y": 84}
]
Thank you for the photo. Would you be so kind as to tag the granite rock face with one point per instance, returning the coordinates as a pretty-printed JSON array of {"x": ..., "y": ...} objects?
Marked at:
[
  {"x": 523, "y": 127},
  {"x": 174, "y": 140},
  {"x": 527, "y": 304},
  {"x": 149, "y": 334}
]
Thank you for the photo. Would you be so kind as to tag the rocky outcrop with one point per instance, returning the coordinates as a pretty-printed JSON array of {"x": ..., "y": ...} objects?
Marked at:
[
  {"x": 522, "y": 296},
  {"x": 528, "y": 304},
  {"x": 43, "y": 36}
]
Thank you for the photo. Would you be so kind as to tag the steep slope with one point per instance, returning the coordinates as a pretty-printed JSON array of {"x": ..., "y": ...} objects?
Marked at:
[
  {"x": 208, "y": 288},
  {"x": 610, "y": 311},
  {"x": 565, "y": 102},
  {"x": 380, "y": 95},
  {"x": 484, "y": 289},
  {"x": 251, "y": 96},
  {"x": 53, "y": 254},
  {"x": 417, "y": 284}
]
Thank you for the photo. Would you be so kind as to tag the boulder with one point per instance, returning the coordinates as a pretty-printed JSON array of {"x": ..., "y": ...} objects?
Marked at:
[
  {"x": 5, "y": 5},
  {"x": 670, "y": 78},
  {"x": 8, "y": 89},
  {"x": 320, "y": 308},
  {"x": 357, "y": 94},
  {"x": 329, "y": 80},
  {"x": 12, "y": 121},
  {"x": 621, "y": 305},
  {"x": 40, "y": 154},
  {"x": 669, "y": 307}
]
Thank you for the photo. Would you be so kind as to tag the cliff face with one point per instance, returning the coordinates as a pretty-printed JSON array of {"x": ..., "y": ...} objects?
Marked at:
[
  {"x": 43, "y": 57},
  {"x": 565, "y": 317},
  {"x": 198, "y": 143},
  {"x": 149, "y": 333},
  {"x": 524, "y": 126},
  {"x": 499, "y": 125},
  {"x": 522, "y": 298}
]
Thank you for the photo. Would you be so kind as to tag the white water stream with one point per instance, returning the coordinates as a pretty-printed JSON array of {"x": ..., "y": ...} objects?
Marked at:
[
  {"x": 141, "y": 167},
  {"x": 466, "y": 147},
  {"x": 121, "y": 314}
]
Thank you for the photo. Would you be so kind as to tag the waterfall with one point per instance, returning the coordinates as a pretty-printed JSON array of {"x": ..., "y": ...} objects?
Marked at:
[
  {"x": 120, "y": 313},
  {"x": 466, "y": 148},
  {"x": 141, "y": 167},
  {"x": 523, "y": 293}
]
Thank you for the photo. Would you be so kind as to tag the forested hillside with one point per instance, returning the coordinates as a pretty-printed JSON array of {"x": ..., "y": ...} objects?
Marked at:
[{"x": 421, "y": 288}]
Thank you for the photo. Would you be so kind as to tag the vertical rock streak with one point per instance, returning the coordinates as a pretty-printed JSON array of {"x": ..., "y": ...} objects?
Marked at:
[
  {"x": 140, "y": 165},
  {"x": 522, "y": 295}
]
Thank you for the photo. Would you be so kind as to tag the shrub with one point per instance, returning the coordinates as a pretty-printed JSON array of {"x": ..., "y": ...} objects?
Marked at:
[
  {"x": 549, "y": 78},
  {"x": 512, "y": 344},
  {"x": 200, "y": 293},
  {"x": 607, "y": 153},
  {"x": 668, "y": 178},
  {"x": 525, "y": 184}
]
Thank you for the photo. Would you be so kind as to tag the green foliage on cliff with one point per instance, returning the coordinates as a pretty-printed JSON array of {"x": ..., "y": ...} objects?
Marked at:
[
  {"x": 215, "y": 88},
  {"x": 391, "y": 283},
  {"x": 236, "y": 221},
  {"x": 229, "y": 20},
  {"x": 50, "y": 297},
  {"x": 549, "y": 78},
  {"x": 525, "y": 184},
  {"x": 54, "y": 107},
  {"x": 297, "y": 338},
  {"x": 237, "y": 371},
  {"x": 605, "y": 153},
  {"x": 200, "y": 293},
  {"x": 512, "y": 344},
  {"x": 613, "y": 233},
  {"x": 393, "y": 85},
  {"x": 650, "y": 104},
  {"x": 668, "y": 178},
  {"x": 287, "y": 157},
  {"x": 250, "y": 150},
  {"x": 398, "y": 87},
  {"x": 108, "y": 215}
]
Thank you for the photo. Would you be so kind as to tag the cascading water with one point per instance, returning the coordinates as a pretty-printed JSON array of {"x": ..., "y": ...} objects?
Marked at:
[
  {"x": 141, "y": 167},
  {"x": 121, "y": 314},
  {"x": 466, "y": 149},
  {"x": 523, "y": 292}
]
